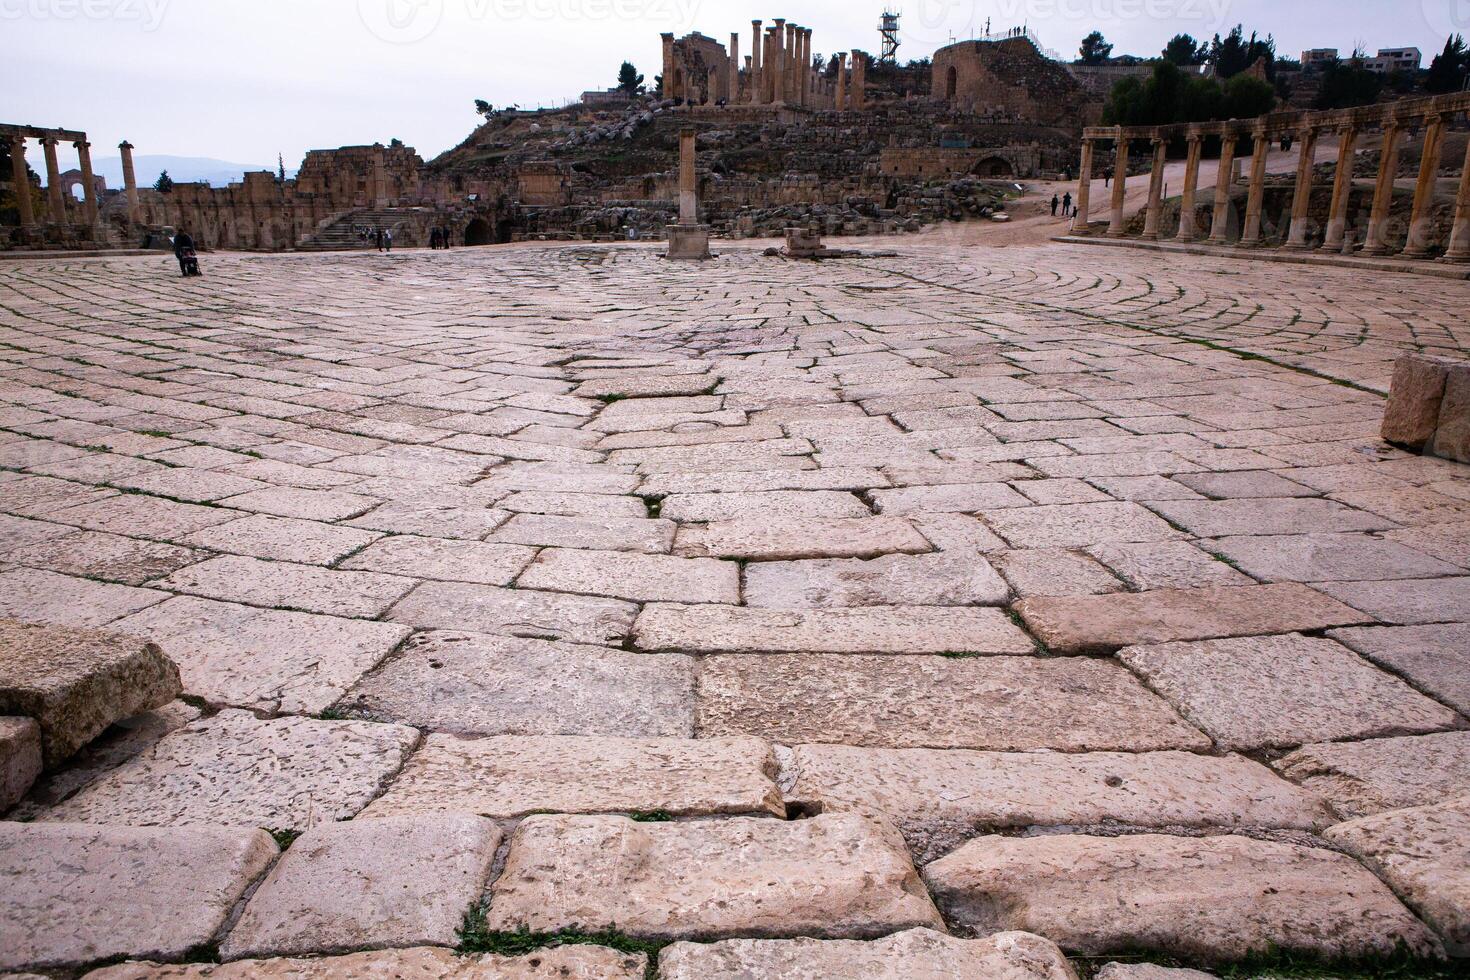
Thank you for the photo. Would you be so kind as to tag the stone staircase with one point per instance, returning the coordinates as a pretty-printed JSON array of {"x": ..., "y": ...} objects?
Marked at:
[{"x": 341, "y": 235}]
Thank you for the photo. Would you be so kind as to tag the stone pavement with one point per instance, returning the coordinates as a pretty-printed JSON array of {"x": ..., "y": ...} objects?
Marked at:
[{"x": 795, "y": 614}]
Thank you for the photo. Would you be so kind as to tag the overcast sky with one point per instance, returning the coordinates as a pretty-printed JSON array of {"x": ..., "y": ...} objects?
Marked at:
[{"x": 244, "y": 79}]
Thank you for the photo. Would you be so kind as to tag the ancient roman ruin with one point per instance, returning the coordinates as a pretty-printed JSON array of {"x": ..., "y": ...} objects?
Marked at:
[{"x": 1049, "y": 598}]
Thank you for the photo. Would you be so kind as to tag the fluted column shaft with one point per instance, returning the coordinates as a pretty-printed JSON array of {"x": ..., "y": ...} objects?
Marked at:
[
  {"x": 89, "y": 190},
  {"x": 23, "y": 201}
]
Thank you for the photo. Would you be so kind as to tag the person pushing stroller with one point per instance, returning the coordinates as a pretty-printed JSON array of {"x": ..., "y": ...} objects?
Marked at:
[{"x": 185, "y": 253}]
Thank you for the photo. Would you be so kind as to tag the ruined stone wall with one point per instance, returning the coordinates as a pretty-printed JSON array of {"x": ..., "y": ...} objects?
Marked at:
[
  {"x": 1011, "y": 161},
  {"x": 1007, "y": 79}
]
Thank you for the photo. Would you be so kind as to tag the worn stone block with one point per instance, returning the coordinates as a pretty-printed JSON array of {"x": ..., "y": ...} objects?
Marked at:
[
  {"x": 1435, "y": 659},
  {"x": 560, "y": 963},
  {"x": 511, "y": 777},
  {"x": 642, "y": 578},
  {"x": 792, "y": 539},
  {"x": 20, "y": 759},
  {"x": 1423, "y": 853},
  {"x": 210, "y": 772},
  {"x": 72, "y": 895},
  {"x": 1414, "y": 400},
  {"x": 75, "y": 683},
  {"x": 949, "y": 579},
  {"x": 411, "y": 881},
  {"x": 1452, "y": 438},
  {"x": 1208, "y": 899},
  {"x": 917, "y": 953},
  {"x": 841, "y": 877},
  {"x": 1363, "y": 778}
]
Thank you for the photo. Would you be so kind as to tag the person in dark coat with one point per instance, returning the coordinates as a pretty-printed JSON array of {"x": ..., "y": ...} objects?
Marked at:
[
  {"x": 1067, "y": 205},
  {"x": 435, "y": 239},
  {"x": 378, "y": 238},
  {"x": 184, "y": 252},
  {"x": 1056, "y": 202}
]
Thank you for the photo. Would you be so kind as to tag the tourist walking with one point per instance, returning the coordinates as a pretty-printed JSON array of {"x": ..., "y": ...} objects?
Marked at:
[
  {"x": 184, "y": 252},
  {"x": 378, "y": 238},
  {"x": 1056, "y": 202},
  {"x": 1067, "y": 205},
  {"x": 387, "y": 240},
  {"x": 435, "y": 239},
  {"x": 447, "y": 237}
]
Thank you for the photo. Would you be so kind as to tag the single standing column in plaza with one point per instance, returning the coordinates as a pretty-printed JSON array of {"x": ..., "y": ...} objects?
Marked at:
[
  {"x": 732, "y": 83},
  {"x": 130, "y": 179},
  {"x": 1188, "y": 226},
  {"x": 858, "y": 98},
  {"x": 841, "y": 57},
  {"x": 1255, "y": 201},
  {"x": 1084, "y": 190},
  {"x": 1220, "y": 223},
  {"x": 688, "y": 239},
  {"x": 669, "y": 91},
  {"x": 1301, "y": 200},
  {"x": 1120, "y": 186},
  {"x": 22, "y": 179},
  {"x": 1388, "y": 165},
  {"x": 89, "y": 183},
  {"x": 1420, "y": 224},
  {"x": 1156, "y": 190},
  {"x": 755, "y": 63},
  {"x": 53, "y": 182},
  {"x": 1459, "y": 249},
  {"x": 1342, "y": 189}
]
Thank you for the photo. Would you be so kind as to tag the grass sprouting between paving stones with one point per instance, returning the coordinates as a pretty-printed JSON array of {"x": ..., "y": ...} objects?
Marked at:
[{"x": 475, "y": 937}]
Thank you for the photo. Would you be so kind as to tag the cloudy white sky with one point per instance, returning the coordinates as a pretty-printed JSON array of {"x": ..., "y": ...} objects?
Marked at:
[{"x": 244, "y": 79}]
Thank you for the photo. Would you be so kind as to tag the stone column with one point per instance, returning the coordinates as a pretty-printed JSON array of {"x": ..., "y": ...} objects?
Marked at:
[
  {"x": 89, "y": 190},
  {"x": 1084, "y": 189},
  {"x": 1342, "y": 189},
  {"x": 667, "y": 89},
  {"x": 755, "y": 62},
  {"x": 53, "y": 182},
  {"x": 1420, "y": 224},
  {"x": 1188, "y": 228},
  {"x": 1120, "y": 185},
  {"x": 733, "y": 85},
  {"x": 1257, "y": 195},
  {"x": 688, "y": 178},
  {"x": 1155, "y": 190},
  {"x": 1301, "y": 201},
  {"x": 806, "y": 67},
  {"x": 1388, "y": 165},
  {"x": 771, "y": 63},
  {"x": 788, "y": 66},
  {"x": 841, "y": 105},
  {"x": 1459, "y": 248},
  {"x": 778, "y": 62},
  {"x": 1220, "y": 224},
  {"x": 130, "y": 179},
  {"x": 22, "y": 179},
  {"x": 859, "y": 96}
]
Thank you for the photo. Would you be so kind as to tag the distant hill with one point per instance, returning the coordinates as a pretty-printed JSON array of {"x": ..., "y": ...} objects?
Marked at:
[{"x": 217, "y": 173}]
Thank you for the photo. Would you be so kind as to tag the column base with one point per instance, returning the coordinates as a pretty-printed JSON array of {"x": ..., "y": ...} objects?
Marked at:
[
  {"x": 1296, "y": 247},
  {"x": 689, "y": 243},
  {"x": 1414, "y": 253},
  {"x": 1149, "y": 237},
  {"x": 1375, "y": 251},
  {"x": 1455, "y": 258}
]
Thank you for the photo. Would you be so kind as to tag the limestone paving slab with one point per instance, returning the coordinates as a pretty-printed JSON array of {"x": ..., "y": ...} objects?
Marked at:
[
  {"x": 641, "y": 578},
  {"x": 895, "y": 580},
  {"x": 443, "y": 559},
  {"x": 1364, "y": 778},
  {"x": 1010, "y": 704},
  {"x": 559, "y": 963},
  {"x": 841, "y": 877},
  {"x": 282, "y": 585},
  {"x": 876, "y": 629},
  {"x": 264, "y": 659},
  {"x": 1328, "y": 558},
  {"x": 915, "y": 954},
  {"x": 1272, "y": 515},
  {"x": 1442, "y": 600},
  {"x": 39, "y": 596},
  {"x": 20, "y": 759},
  {"x": 1078, "y": 525},
  {"x": 1206, "y": 899},
  {"x": 512, "y": 777},
  {"x": 1284, "y": 691},
  {"x": 1149, "y": 971},
  {"x": 72, "y": 894},
  {"x": 97, "y": 555},
  {"x": 963, "y": 499},
  {"x": 1435, "y": 659},
  {"x": 1422, "y": 852},
  {"x": 942, "y": 798},
  {"x": 1085, "y": 624},
  {"x": 210, "y": 772},
  {"x": 411, "y": 881},
  {"x": 476, "y": 684},
  {"x": 792, "y": 539},
  {"x": 75, "y": 683},
  {"x": 649, "y": 537},
  {"x": 516, "y": 612},
  {"x": 783, "y": 504},
  {"x": 1166, "y": 565}
]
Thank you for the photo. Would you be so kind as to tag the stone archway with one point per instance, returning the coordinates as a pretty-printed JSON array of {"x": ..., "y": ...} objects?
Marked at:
[
  {"x": 994, "y": 167},
  {"x": 479, "y": 232}
]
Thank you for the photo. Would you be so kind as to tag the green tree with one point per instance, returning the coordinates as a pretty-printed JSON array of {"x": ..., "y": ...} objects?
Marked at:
[
  {"x": 1346, "y": 84},
  {"x": 281, "y": 167},
  {"x": 164, "y": 183},
  {"x": 629, "y": 80},
  {"x": 1183, "y": 50},
  {"x": 1095, "y": 50},
  {"x": 1247, "y": 98},
  {"x": 1448, "y": 69},
  {"x": 1234, "y": 54},
  {"x": 484, "y": 108},
  {"x": 1171, "y": 95}
]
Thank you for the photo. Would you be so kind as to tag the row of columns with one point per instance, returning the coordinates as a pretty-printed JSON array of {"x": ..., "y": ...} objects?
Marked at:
[
  {"x": 55, "y": 198},
  {"x": 778, "y": 71},
  {"x": 1308, "y": 136}
]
